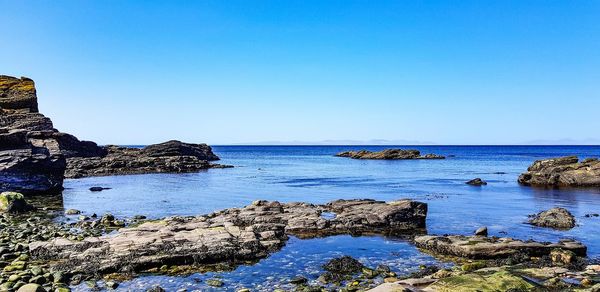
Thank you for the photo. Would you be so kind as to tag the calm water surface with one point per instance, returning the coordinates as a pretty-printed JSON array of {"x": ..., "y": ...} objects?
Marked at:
[{"x": 313, "y": 174}]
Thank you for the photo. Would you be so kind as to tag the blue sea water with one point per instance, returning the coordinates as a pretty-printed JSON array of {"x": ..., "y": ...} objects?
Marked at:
[{"x": 313, "y": 174}]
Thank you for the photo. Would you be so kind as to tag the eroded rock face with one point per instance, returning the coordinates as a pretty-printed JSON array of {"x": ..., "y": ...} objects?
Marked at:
[
  {"x": 18, "y": 94},
  {"x": 478, "y": 247},
  {"x": 231, "y": 236},
  {"x": 169, "y": 157},
  {"x": 390, "y": 154},
  {"x": 563, "y": 172},
  {"x": 558, "y": 218}
]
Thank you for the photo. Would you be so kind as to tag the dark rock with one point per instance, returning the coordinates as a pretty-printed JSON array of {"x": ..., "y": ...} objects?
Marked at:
[
  {"x": 98, "y": 189},
  {"x": 482, "y": 231},
  {"x": 558, "y": 218},
  {"x": 563, "y": 172},
  {"x": 476, "y": 182},
  {"x": 298, "y": 280},
  {"x": 18, "y": 94},
  {"x": 31, "y": 171},
  {"x": 234, "y": 235},
  {"x": 388, "y": 154},
  {"x": 345, "y": 265},
  {"x": 168, "y": 157},
  {"x": 479, "y": 247},
  {"x": 156, "y": 289}
]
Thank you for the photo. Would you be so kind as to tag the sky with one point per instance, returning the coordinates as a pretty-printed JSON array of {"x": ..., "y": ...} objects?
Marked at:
[{"x": 230, "y": 72}]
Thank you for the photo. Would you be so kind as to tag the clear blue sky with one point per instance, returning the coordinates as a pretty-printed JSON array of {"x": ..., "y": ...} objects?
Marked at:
[{"x": 450, "y": 72}]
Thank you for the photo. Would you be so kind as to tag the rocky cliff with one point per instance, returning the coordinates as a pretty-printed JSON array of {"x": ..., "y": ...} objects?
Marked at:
[{"x": 34, "y": 155}]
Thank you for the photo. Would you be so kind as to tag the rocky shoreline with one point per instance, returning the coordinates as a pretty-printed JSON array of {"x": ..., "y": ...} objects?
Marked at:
[
  {"x": 35, "y": 157},
  {"x": 388, "y": 154},
  {"x": 562, "y": 172}
]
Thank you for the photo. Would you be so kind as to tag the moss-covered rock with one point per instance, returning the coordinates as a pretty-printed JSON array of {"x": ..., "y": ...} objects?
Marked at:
[
  {"x": 14, "y": 202},
  {"x": 498, "y": 281}
]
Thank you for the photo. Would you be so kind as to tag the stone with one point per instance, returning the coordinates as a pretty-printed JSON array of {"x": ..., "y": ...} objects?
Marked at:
[
  {"x": 233, "y": 236},
  {"x": 32, "y": 287},
  {"x": 388, "y": 154},
  {"x": 298, "y": 280},
  {"x": 13, "y": 202},
  {"x": 31, "y": 170},
  {"x": 214, "y": 283},
  {"x": 112, "y": 285},
  {"x": 477, "y": 182},
  {"x": 558, "y": 218},
  {"x": 98, "y": 189},
  {"x": 562, "y": 257},
  {"x": 345, "y": 265},
  {"x": 168, "y": 157},
  {"x": 478, "y": 247},
  {"x": 72, "y": 212},
  {"x": 481, "y": 231},
  {"x": 562, "y": 172},
  {"x": 498, "y": 281}
]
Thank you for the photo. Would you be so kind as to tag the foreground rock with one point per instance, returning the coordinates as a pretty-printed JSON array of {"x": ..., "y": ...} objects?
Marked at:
[
  {"x": 12, "y": 202},
  {"x": 558, "y": 218},
  {"x": 391, "y": 154},
  {"x": 479, "y": 247},
  {"x": 563, "y": 172},
  {"x": 229, "y": 236},
  {"x": 172, "y": 157},
  {"x": 477, "y": 182}
]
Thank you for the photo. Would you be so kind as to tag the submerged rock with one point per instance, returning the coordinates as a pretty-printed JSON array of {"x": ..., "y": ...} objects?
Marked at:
[
  {"x": 558, "y": 218},
  {"x": 563, "y": 172},
  {"x": 345, "y": 265},
  {"x": 477, "y": 182},
  {"x": 231, "y": 236},
  {"x": 169, "y": 157},
  {"x": 481, "y": 231},
  {"x": 98, "y": 189},
  {"x": 478, "y": 247},
  {"x": 391, "y": 154}
]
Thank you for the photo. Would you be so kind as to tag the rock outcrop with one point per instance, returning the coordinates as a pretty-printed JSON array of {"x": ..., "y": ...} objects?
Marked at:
[
  {"x": 388, "y": 154},
  {"x": 558, "y": 218},
  {"x": 34, "y": 155},
  {"x": 13, "y": 202},
  {"x": 479, "y": 247},
  {"x": 477, "y": 182},
  {"x": 229, "y": 236},
  {"x": 168, "y": 157},
  {"x": 563, "y": 172}
]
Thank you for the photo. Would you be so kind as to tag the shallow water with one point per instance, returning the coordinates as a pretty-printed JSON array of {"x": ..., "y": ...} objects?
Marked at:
[{"x": 313, "y": 174}]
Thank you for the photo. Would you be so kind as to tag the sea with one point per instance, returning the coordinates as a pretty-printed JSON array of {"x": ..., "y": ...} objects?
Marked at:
[{"x": 313, "y": 174}]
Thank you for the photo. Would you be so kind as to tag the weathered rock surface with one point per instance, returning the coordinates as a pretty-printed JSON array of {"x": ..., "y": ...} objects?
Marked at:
[
  {"x": 390, "y": 154},
  {"x": 479, "y": 247},
  {"x": 31, "y": 170},
  {"x": 232, "y": 235},
  {"x": 169, "y": 157},
  {"x": 563, "y": 172},
  {"x": 558, "y": 218},
  {"x": 477, "y": 182},
  {"x": 13, "y": 202}
]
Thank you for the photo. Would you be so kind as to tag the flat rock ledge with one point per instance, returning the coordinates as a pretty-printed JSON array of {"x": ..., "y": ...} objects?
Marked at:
[
  {"x": 230, "y": 236},
  {"x": 479, "y": 247},
  {"x": 168, "y": 157},
  {"x": 388, "y": 154},
  {"x": 562, "y": 172}
]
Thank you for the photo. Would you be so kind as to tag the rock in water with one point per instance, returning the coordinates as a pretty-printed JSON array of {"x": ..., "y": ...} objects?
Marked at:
[
  {"x": 98, "y": 189},
  {"x": 233, "y": 235},
  {"x": 388, "y": 154},
  {"x": 476, "y": 182},
  {"x": 558, "y": 218},
  {"x": 169, "y": 157},
  {"x": 563, "y": 172},
  {"x": 345, "y": 265},
  {"x": 479, "y": 247},
  {"x": 481, "y": 231},
  {"x": 13, "y": 202}
]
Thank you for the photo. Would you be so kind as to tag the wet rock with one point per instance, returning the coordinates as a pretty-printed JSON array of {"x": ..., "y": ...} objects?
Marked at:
[
  {"x": 481, "y": 231},
  {"x": 388, "y": 154},
  {"x": 345, "y": 265},
  {"x": 498, "y": 281},
  {"x": 476, "y": 182},
  {"x": 298, "y": 280},
  {"x": 72, "y": 212},
  {"x": 232, "y": 235},
  {"x": 478, "y": 247},
  {"x": 214, "y": 283},
  {"x": 561, "y": 256},
  {"x": 168, "y": 157},
  {"x": 31, "y": 170},
  {"x": 156, "y": 289},
  {"x": 563, "y": 172},
  {"x": 98, "y": 189},
  {"x": 558, "y": 218},
  {"x": 112, "y": 285},
  {"x": 13, "y": 202}
]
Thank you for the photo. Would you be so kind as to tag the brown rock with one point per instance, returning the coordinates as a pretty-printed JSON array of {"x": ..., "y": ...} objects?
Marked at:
[
  {"x": 563, "y": 172},
  {"x": 391, "y": 154},
  {"x": 558, "y": 218}
]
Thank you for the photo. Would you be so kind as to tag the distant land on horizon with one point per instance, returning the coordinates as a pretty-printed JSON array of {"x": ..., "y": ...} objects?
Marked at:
[{"x": 384, "y": 142}]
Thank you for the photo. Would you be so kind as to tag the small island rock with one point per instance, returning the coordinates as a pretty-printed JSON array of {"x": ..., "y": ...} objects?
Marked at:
[
  {"x": 563, "y": 172},
  {"x": 388, "y": 154},
  {"x": 558, "y": 218}
]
